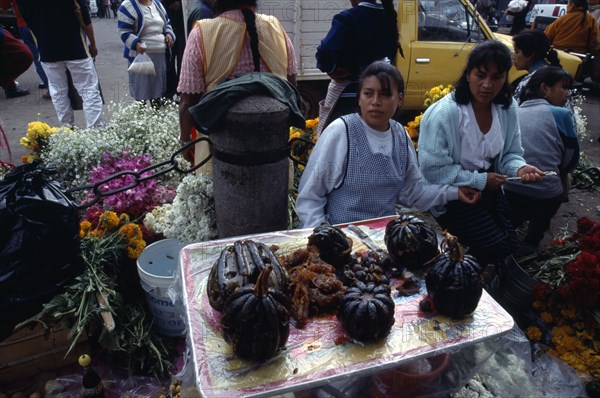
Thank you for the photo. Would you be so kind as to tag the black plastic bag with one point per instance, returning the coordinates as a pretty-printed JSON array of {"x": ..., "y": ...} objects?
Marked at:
[{"x": 39, "y": 243}]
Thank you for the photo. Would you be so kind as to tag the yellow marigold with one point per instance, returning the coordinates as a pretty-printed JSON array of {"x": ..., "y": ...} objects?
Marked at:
[
  {"x": 537, "y": 305},
  {"x": 534, "y": 333},
  {"x": 546, "y": 317},
  {"x": 418, "y": 118},
  {"x": 37, "y": 128},
  {"x": 84, "y": 228},
  {"x": 131, "y": 231},
  {"x": 95, "y": 233},
  {"x": 28, "y": 144},
  {"x": 427, "y": 102},
  {"x": 123, "y": 219},
  {"x": 412, "y": 132},
  {"x": 135, "y": 248},
  {"x": 312, "y": 123},
  {"x": 568, "y": 313},
  {"x": 300, "y": 167},
  {"x": 108, "y": 220},
  {"x": 295, "y": 135},
  {"x": 435, "y": 91},
  {"x": 25, "y": 159},
  {"x": 563, "y": 330}
]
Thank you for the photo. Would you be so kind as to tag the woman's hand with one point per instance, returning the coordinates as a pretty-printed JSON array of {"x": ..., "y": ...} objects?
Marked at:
[
  {"x": 169, "y": 41},
  {"x": 529, "y": 174},
  {"x": 140, "y": 47},
  {"x": 494, "y": 181},
  {"x": 468, "y": 195}
]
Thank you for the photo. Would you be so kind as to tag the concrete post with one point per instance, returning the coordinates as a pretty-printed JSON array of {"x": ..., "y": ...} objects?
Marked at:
[{"x": 250, "y": 168}]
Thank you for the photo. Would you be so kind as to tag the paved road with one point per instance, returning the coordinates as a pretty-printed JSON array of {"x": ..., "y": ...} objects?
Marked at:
[{"x": 16, "y": 113}]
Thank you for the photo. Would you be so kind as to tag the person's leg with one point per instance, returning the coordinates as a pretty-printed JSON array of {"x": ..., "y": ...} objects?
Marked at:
[
  {"x": 85, "y": 81},
  {"x": 520, "y": 208},
  {"x": 542, "y": 212},
  {"x": 58, "y": 86}
]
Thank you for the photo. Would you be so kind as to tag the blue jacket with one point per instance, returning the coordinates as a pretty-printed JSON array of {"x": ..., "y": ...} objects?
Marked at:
[{"x": 358, "y": 36}]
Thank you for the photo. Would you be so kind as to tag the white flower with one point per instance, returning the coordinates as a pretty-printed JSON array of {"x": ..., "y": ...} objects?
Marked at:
[
  {"x": 133, "y": 128},
  {"x": 191, "y": 217}
]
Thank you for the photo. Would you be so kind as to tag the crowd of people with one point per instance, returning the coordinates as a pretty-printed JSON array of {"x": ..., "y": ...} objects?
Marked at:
[{"x": 474, "y": 144}]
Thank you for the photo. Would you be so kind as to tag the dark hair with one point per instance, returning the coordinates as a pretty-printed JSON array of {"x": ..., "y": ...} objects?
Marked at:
[
  {"x": 549, "y": 75},
  {"x": 225, "y": 5},
  {"x": 533, "y": 41},
  {"x": 490, "y": 52},
  {"x": 386, "y": 73},
  {"x": 581, "y": 4},
  {"x": 249, "y": 18}
]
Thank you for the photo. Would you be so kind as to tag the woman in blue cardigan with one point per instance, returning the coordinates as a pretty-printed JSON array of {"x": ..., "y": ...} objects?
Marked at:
[
  {"x": 144, "y": 27},
  {"x": 471, "y": 138}
]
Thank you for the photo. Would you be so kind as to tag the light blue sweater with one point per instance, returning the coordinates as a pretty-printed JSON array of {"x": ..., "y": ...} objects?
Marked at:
[{"x": 439, "y": 147}]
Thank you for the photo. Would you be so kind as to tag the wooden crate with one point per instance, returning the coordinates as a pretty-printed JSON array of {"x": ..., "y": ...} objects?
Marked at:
[{"x": 31, "y": 351}]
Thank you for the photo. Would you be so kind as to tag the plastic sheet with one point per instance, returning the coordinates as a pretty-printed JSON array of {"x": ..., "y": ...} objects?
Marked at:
[
  {"x": 320, "y": 356},
  {"x": 39, "y": 243}
]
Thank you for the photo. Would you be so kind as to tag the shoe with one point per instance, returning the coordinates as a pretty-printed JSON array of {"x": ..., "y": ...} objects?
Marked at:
[
  {"x": 14, "y": 91},
  {"x": 42, "y": 86}
]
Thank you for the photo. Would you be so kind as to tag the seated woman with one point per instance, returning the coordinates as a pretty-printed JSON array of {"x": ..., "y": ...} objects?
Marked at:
[
  {"x": 532, "y": 51},
  {"x": 364, "y": 163},
  {"x": 471, "y": 138},
  {"x": 550, "y": 143}
]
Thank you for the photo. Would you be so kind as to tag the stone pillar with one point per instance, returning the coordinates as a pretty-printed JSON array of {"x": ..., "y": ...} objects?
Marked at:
[{"x": 250, "y": 168}]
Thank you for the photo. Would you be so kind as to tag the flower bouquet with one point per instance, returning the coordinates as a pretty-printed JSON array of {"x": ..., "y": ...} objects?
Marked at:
[
  {"x": 431, "y": 96},
  {"x": 302, "y": 144},
  {"x": 566, "y": 304}
]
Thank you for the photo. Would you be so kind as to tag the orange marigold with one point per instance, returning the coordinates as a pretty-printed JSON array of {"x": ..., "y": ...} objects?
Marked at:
[{"x": 534, "y": 333}]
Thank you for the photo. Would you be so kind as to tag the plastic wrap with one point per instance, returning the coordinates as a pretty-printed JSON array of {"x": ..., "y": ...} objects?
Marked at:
[{"x": 320, "y": 356}]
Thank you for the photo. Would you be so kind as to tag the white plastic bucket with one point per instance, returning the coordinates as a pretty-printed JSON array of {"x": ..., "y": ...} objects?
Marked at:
[{"x": 156, "y": 268}]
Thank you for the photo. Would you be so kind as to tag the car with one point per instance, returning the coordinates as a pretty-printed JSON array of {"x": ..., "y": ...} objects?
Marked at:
[{"x": 544, "y": 14}]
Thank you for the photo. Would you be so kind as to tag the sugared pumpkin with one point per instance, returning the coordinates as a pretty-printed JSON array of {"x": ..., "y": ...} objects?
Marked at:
[
  {"x": 255, "y": 319},
  {"x": 410, "y": 242},
  {"x": 239, "y": 265},
  {"x": 454, "y": 282},
  {"x": 332, "y": 244},
  {"x": 367, "y": 311}
]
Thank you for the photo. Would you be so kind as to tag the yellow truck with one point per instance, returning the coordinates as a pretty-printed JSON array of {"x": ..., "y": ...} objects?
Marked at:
[{"x": 436, "y": 37}]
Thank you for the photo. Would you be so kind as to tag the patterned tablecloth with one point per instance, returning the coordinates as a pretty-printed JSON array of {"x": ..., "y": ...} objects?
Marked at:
[{"x": 320, "y": 353}]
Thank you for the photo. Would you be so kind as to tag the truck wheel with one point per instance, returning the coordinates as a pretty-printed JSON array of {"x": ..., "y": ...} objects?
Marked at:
[{"x": 311, "y": 92}]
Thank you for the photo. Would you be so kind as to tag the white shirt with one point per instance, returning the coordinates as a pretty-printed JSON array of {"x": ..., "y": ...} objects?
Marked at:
[
  {"x": 152, "y": 32},
  {"x": 478, "y": 150}
]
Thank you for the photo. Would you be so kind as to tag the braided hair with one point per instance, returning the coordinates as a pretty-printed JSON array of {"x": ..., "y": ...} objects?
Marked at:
[
  {"x": 532, "y": 41},
  {"x": 249, "y": 18},
  {"x": 581, "y": 4}
]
